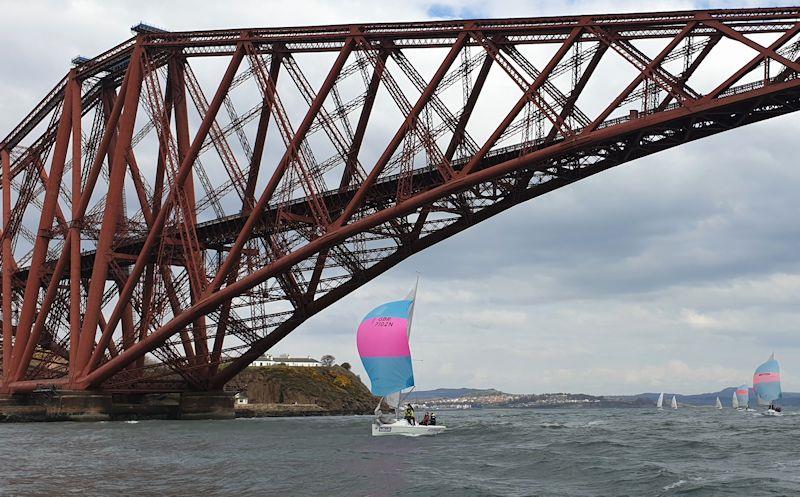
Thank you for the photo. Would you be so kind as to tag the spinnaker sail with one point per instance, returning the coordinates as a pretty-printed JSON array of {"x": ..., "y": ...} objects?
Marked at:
[
  {"x": 382, "y": 341},
  {"x": 767, "y": 382},
  {"x": 742, "y": 396}
]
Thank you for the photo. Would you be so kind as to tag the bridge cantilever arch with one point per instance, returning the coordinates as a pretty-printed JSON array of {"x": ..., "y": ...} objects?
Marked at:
[{"x": 180, "y": 203}]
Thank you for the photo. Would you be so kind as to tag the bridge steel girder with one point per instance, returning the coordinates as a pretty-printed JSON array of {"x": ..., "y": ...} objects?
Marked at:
[{"x": 195, "y": 296}]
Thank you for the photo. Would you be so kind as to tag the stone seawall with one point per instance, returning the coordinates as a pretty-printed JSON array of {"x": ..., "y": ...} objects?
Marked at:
[
  {"x": 93, "y": 406},
  {"x": 288, "y": 410}
]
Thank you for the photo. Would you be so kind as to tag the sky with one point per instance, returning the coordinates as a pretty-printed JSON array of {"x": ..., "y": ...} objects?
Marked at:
[{"x": 677, "y": 272}]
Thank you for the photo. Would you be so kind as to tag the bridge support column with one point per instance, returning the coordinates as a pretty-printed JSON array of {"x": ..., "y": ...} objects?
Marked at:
[{"x": 206, "y": 405}]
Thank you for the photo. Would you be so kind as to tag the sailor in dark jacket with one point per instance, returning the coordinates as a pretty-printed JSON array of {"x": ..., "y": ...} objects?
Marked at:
[{"x": 410, "y": 415}]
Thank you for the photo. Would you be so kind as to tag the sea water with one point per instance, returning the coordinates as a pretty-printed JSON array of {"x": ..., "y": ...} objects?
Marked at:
[{"x": 554, "y": 452}]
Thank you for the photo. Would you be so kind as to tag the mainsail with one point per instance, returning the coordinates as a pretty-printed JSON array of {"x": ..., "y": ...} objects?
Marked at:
[
  {"x": 735, "y": 400},
  {"x": 742, "y": 396},
  {"x": 660, "y": 401},
  {"x": 674, "y": 403},
  {"x": 382, "y": 341},
  {"x": 719, "y": 403},
  {"x": 767, "y": 382}
]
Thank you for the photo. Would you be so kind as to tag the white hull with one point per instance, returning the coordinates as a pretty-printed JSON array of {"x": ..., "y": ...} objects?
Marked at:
[
  {"x": 401, "y": 427},
  {"x": 771, "y": 412}
]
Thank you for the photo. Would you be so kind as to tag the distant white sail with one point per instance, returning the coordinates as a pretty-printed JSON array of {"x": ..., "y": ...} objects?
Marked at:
[
  {"x": 719, "y": 404},
  {"x": 735, "y": 401},
  {"x": 674, "y": 403},
  {"x": 660, "y": 400}
]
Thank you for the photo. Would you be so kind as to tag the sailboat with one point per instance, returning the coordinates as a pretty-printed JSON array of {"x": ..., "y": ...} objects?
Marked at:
[
  {"x": 719, "y": 404},
  {"x": 660, "y": 402},
  {"x": 767, "y": 386},
  {"x": 742, "y": 397},
  {"x": 674, "y": 403},
  {"x": 383, "y": 344},
  {"x": 735, "y": 401}
]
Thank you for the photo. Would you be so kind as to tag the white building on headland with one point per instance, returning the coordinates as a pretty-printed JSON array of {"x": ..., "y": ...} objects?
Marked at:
[{"x": 286, "y": 360}]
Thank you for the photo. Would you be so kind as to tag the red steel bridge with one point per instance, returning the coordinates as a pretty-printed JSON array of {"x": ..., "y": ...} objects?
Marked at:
[{"x": 177, "y": 205}]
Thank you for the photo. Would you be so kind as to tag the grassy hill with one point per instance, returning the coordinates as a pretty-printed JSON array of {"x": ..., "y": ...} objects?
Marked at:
[{"x": 333, "y": 388}]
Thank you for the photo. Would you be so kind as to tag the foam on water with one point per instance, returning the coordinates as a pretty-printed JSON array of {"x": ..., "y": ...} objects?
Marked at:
[{"x": 675, "y": 485}]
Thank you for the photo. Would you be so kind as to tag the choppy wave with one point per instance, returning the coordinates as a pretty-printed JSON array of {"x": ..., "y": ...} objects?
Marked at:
[{"x": 581, "y": 452}]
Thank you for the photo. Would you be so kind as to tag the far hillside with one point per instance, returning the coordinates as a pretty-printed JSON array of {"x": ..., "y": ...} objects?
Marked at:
[{"x": 790, "y": 399}]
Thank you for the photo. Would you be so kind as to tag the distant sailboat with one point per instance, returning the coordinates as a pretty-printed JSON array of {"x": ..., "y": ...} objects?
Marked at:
[
  {"x": 767, "y": 385},
  {"x": 719, "y": 404},
  {"x": 735, "y": 401},
  {"x": 674, "y": 403},
  {"x": 383, "y": 344},
  {"x": 660, "y": 402},
  {"x": 742, "y": 397}
]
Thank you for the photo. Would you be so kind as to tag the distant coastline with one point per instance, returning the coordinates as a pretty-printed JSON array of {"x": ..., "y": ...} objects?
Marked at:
[
  {"x": 466, "y": 398},
  {"x": 471, "y": 398}
]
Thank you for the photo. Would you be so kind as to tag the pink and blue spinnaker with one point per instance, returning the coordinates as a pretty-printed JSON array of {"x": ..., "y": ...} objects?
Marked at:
[
  {"x": 382, "y": 341},
  {"x": 767, "y": 382},
  {"x": 743, "y": 396}
]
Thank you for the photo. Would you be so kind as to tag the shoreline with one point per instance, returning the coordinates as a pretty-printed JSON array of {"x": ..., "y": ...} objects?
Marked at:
[{"x": 39, "y": 414}]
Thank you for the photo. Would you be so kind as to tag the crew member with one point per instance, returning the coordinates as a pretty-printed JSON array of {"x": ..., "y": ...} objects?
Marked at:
[
  {"x": 425, "y": 419},
  {"x": 410, "y": 415},
  {"x": 432, "y": 420}
]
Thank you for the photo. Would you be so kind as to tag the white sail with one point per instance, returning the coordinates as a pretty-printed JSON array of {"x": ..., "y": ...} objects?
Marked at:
[
  {"x": 719, "y": 404},
  {"x": 412, "y": 296},
  {"x": 735, "y": 401},
  {"x": 393, "y": 401},
  {"x": 660, "y": 401},
  {"x": 674, "y": 403}
]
